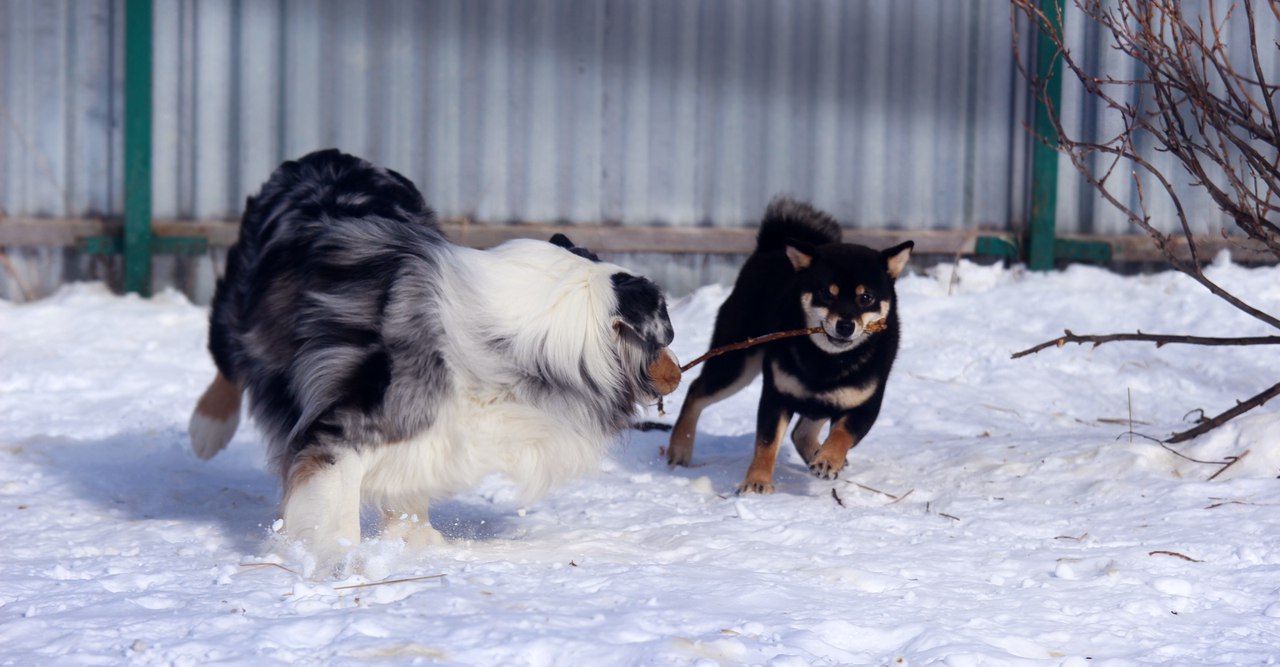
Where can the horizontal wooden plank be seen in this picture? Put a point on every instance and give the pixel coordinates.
(54, 232)
(600, 238)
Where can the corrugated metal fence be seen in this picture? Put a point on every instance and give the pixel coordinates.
(904, 114)
(581, 111)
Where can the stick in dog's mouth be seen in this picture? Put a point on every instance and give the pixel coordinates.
(750, 342)
(873, 327)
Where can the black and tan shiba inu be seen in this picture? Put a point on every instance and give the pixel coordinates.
(799, 276)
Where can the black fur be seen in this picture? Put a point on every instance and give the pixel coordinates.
(332, 313)
(767, 298)
(301, 290)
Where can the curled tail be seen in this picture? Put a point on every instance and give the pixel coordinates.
(787, 220)
(215, 418)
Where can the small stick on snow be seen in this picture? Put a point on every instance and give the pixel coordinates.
(1175, 555)
(382, 583)
(837, 497)
(901, 497)
(389, 581)
(1233, 460)
(1159, 339)
(867, 488)
(260, 566)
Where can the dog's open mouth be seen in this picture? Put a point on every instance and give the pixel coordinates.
(839, 341)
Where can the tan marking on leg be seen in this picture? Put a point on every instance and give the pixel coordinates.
(220, 400)
(680, 447)
(760, 472)
(805, 437)
(305, 466)
(215, 418)
(831, 456)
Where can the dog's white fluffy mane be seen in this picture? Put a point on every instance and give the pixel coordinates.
(554, 309)
(518, 317)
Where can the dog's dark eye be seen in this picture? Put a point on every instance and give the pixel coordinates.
(865, 299)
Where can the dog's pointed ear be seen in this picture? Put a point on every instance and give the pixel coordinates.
(800, 254)
(896, 258)
(563, 241)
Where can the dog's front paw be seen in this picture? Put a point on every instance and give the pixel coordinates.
(679, 454)
(760, 486)
(824, 467)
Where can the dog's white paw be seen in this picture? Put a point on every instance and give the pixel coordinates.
(417, 533)
(209, 435)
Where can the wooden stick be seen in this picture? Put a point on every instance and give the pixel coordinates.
(759, 340)
(259, 566)
(1175, 555)
(1159, 339)
(390, 581)
(1234, 460)
(750, 342)
(1240, 408)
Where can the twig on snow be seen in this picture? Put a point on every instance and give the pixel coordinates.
(1159, 339)
(261, 566)
(1214, 422)
(1175, 555)
(901, 497)
(382, 583)
(1233, 460)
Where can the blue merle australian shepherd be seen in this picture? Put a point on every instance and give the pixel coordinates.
(388, 367)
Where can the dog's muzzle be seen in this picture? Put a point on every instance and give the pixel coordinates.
(665, 372)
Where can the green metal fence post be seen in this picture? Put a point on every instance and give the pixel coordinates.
(1044, 158)
(137, 146)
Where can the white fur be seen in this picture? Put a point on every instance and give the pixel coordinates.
(210, 436)
(845, 398)
(555, 309)
(323, 511)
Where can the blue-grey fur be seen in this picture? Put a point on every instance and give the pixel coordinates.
(328, 314)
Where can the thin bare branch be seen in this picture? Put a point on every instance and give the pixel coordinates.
(1159, 339)
(1218, 420)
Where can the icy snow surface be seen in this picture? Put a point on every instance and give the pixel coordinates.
(997, 514)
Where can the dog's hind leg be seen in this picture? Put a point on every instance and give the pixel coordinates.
(215, 418)
(805, 437)
(721, 378)
(321, 507)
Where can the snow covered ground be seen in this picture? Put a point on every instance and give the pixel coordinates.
(997, 514)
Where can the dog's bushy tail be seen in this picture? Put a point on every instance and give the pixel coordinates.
(787, 220)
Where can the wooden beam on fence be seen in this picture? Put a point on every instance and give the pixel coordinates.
(69, 232)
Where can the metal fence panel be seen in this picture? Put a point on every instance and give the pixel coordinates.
(636, 112)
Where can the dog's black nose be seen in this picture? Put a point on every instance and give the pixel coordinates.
(844, 328)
